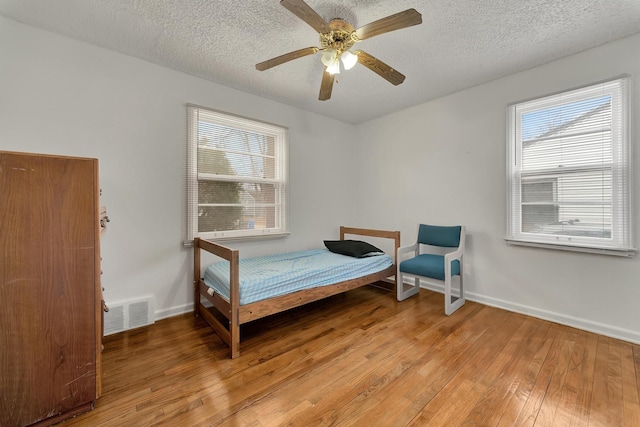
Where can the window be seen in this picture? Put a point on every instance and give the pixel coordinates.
(236, 176)
(569, 170)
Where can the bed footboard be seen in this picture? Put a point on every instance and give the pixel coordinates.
(236, 315)
(230, 333)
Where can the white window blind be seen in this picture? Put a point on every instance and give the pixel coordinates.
(569, 170)
(236, 176)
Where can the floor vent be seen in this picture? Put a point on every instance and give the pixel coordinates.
(128, 315)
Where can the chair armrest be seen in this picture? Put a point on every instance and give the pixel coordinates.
(457, 254)
(405, 250)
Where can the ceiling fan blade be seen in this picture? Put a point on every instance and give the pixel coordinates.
(326, 86)
(400, 20)
(308, 15)
(265, 65)
(380, 68)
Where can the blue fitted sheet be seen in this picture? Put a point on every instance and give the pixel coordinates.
(274, 275)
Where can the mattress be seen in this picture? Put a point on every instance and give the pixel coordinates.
(274, 275)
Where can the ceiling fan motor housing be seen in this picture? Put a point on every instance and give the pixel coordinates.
(341, 37)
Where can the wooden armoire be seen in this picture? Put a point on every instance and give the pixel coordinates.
(50, 298)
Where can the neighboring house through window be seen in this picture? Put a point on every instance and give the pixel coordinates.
(236, 176)
(569, 170)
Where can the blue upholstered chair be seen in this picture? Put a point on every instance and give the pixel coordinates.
(436, 258)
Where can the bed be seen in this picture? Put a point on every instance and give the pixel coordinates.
(225, 306)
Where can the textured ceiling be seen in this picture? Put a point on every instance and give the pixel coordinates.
(460, 43)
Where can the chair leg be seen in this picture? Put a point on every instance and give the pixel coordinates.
(449, 305)
(410, 291)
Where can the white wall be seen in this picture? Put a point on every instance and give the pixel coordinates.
(443, 162)
(60, 96)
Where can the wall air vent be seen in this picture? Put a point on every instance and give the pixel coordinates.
(129, 315)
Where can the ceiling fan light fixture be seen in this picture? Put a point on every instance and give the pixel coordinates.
(329, 57)
(348, 59)
(334, 68)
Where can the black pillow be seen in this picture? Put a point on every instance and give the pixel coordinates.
(354, 248)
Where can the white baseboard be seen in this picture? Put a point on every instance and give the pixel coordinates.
(563, 319)
(174, 311)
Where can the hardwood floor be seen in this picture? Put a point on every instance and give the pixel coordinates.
(364, 359)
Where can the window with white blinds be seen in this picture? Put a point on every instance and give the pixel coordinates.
(569, 170)
(236, 176)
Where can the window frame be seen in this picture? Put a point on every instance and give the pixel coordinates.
(620, 241)
(280, 181)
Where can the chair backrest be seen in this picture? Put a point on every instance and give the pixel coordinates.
(436, 235)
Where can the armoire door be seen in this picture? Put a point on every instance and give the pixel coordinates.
(49, 267)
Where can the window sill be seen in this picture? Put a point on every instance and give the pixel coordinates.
(626, 252)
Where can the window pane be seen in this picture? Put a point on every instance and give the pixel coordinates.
(571, 204)
(246, 154)
(214, 161)
(539, 204)
(259, 193)
(571, 151)
(255, 197)
(542, 191)
(219, 218)
(249, 211)
(260, 217)
(226, 218)
(252, 165)
(566, 118)
(219, 192)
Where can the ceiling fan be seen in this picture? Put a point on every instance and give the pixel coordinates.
(337, 37)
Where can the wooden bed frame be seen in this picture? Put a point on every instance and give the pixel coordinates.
(237, 314)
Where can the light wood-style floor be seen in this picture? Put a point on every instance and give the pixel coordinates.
(364, 359)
